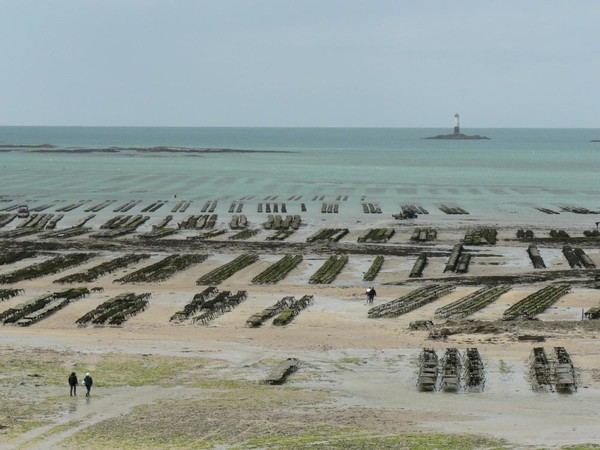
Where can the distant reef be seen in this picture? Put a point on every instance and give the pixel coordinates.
(48, 148)
(458, 137)
(27, 146)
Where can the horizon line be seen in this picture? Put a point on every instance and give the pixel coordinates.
(296, 127)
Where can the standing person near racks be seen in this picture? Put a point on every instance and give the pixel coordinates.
(371, 294)
(88, 382)
(73, 384)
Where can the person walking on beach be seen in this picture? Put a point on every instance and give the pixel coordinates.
(371, 294)
(73, 384)
(87, 382)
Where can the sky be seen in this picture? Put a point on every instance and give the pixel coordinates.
(284, 63)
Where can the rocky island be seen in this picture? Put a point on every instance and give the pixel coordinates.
(457, 135)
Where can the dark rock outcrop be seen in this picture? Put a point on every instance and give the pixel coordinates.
(458, 137)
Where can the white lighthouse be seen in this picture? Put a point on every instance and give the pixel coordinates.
(456, 124)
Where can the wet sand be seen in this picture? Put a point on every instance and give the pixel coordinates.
(354, 368)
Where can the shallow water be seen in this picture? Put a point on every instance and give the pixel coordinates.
(511, 173)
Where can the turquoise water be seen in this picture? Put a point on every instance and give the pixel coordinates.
(514, 171)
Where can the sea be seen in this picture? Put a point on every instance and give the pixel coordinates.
(513, 172)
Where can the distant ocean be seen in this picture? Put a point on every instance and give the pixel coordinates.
(514, 171)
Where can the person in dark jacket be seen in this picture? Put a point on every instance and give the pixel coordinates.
(73, 384)
(88, 382)
(371, 294)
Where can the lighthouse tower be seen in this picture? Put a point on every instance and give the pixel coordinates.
(456, 124)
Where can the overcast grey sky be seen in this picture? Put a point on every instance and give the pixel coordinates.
(300, 63)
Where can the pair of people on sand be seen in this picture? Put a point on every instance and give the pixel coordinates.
(371, 294)
(87, 382)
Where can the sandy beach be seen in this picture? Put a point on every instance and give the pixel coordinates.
(201, 386)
